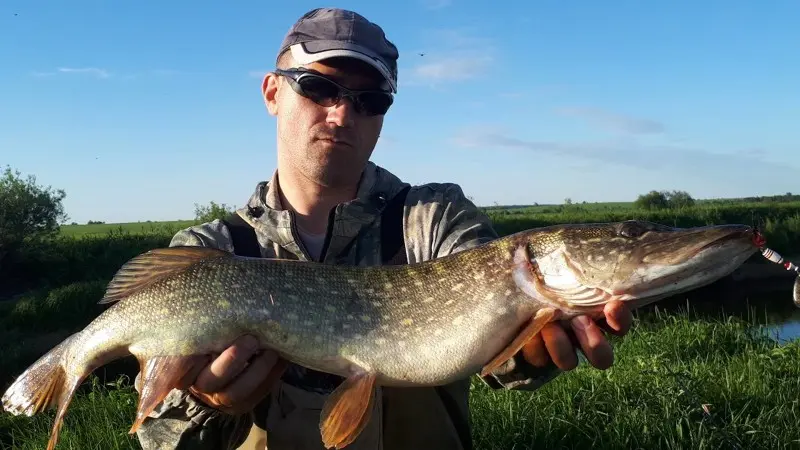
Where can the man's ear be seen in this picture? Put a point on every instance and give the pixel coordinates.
(269, 90)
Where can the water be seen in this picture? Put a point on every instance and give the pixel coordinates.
(788, 331)
(766, 301)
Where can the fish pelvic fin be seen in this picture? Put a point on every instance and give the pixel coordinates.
(159, 375)
(154, 265)
(542, 318)
(45, 384)
(347, 410)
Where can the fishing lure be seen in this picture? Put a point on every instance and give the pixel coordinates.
(775, 257)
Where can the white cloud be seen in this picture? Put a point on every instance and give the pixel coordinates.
(452, 68)
(629, 152)
(614, 121)
(93, 71)
(101, 73)
(458, 55)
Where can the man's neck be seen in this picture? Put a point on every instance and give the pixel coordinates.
(310, 201)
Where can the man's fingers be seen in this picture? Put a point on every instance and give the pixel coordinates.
(535, 351)
(189, 378)
(593, 344)
(619, 317)
(559, 346)
(227, 365)
(250, 386)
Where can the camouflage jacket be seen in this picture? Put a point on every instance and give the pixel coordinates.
(438, 220)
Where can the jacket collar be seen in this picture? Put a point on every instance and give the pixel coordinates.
(273, 223)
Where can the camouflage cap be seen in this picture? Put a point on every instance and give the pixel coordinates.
(332, 32)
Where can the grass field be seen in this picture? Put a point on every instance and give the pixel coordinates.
(679, 381)
(129, 227)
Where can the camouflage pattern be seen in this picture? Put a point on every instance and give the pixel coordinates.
(438, 220)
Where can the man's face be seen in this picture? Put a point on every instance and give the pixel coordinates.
(329, 145)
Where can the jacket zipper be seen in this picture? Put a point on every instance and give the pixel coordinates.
(325, 244)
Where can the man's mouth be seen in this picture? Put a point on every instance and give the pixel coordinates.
(336, 141)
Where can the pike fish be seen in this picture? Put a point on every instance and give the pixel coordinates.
(423, 324)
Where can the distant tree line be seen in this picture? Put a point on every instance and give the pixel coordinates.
(787, 197)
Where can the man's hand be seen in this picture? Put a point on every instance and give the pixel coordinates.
(553, 342)
(237, 379)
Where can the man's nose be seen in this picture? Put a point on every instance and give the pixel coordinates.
(342, 113)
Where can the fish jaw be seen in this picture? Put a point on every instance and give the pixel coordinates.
(579, 275)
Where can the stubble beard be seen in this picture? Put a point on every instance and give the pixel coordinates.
(323, 165)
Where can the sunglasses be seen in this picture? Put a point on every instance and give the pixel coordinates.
(325, 92)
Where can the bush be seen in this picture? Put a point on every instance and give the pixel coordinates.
(28, 212)
(654, 200)
(212, 211)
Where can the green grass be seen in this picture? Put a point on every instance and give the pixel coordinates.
(666, 369)
(654, 394)
(130, 227)
(98, 418)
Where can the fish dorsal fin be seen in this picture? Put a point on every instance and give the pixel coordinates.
(147, 268)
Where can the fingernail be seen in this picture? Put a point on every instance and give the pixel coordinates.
(581, 322)
(250, 343)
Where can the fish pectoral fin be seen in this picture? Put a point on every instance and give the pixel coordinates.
(149, 267)
(347, 410)
(159, 375)
(542, 318)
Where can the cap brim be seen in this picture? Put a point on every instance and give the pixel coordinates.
(304, 53)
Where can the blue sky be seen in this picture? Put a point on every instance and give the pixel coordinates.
(141, 109)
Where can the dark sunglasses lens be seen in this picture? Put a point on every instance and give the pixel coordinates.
(375, 102)
(319, 90)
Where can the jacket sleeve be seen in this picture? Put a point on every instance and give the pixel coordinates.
(181, 421)
(441, 220)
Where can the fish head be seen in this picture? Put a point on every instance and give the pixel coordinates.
(640, 261)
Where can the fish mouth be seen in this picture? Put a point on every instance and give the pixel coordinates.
(740, 234)
(696, 264)
(684, 245)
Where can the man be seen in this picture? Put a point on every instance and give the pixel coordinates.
(325, 203)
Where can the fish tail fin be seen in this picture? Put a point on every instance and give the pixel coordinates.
(45, 384)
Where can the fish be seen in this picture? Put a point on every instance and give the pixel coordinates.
(422, 324)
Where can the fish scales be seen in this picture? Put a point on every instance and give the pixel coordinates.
(422, 324)
(421, 329)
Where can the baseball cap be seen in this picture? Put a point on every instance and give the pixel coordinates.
(332, 32)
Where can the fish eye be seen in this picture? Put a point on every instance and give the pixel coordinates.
(632, 229)
(636, 228)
